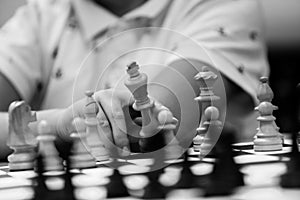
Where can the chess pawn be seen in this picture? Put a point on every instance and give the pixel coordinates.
(51, 159)
(94, 139)
(214, 127)
(206, 80)
(80, 157)
(291, 178)
(267, 138)
(20, 138)
(169, 124)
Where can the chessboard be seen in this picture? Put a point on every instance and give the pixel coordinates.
(266, 168)
(130, 178)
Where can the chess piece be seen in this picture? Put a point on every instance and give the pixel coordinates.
(20, 138)
(214, 128)
(197, 141)
(151, 126)
(68, 191)
(40, 188)
(52, 161)
(291, 179)
(137, 84)
(80, 158)
(206, 98)
(154, 190)
(116, 187)
(226, 175)
(267, 137)
(187, 178)
(94, 139)
(168, 124)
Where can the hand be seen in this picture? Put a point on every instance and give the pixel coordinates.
(113, 116)
(117, 122)
(109, 113)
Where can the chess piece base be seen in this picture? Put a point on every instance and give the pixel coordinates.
(100, 154)
(81, 161)
(262, 148)
(20, 166)
(267, 144)
(22, 158)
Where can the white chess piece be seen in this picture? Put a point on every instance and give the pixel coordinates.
(51, 159)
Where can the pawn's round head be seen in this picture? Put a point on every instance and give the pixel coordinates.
(212, 113)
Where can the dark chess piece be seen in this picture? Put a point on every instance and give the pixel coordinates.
(116, 187)
(291, 179)
(187, 178)
(154, 190)
(153, 143)
(40, 189)
(68, 191)
(226, 175)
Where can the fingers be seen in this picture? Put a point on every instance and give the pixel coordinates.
(104, 129)
(78, 125)
(112, 109)
(164, 116)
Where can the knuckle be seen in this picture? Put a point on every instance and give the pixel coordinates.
(103, 123)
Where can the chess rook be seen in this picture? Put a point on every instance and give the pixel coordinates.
(51, 159)
(206, 98)
(94, 139)
(267, 137)
(20, 138)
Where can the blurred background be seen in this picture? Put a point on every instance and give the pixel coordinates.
(282, 25)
